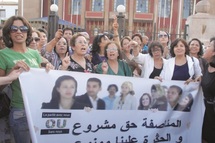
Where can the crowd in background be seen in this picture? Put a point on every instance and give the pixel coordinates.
(110, 54)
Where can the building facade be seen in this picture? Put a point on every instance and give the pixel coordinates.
(8, 8)
(146, 17)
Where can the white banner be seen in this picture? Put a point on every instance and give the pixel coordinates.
(162, 122)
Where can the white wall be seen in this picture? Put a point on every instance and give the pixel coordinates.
(9, 10)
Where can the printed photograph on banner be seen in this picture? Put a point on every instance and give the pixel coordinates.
(63, 106)
(160, 98)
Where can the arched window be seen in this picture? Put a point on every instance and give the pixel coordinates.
(164, 8)
(98, 5)
(119, 2)
(76, 7)
(187, 8)
(142, 6)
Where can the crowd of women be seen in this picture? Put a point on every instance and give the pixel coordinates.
(28, 48)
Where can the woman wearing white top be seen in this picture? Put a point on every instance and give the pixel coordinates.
(127, 100)
(181, 66)
(152, 63)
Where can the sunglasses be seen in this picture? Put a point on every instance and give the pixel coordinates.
(23, 29)
(36, 39)
(164, 35)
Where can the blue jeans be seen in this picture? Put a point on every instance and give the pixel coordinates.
(19, 125)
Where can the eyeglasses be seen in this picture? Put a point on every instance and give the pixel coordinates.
(111, 49)
(162, 35)
(82, 42)
(156, 50)
(36, 39)
(23, 29)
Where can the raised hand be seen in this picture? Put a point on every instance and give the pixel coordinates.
(115, 23)
(104, 67)
(65, 62)
(58, 34)
(135, 47)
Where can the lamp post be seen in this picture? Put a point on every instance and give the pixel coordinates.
(121, 20)
(52, 22)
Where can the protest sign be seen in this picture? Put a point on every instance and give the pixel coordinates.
(159, 122)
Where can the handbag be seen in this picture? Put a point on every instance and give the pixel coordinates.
(4, 104)
(5, 101)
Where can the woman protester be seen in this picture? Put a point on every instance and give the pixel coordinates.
(164, 39)
(196, 50)
(99, 43)
(128, 57)
(17, 35)
(55, 51)
(152, 63)
(208, 84)
(181, 66)
(63, 94)
(113, 65)
(77, 61)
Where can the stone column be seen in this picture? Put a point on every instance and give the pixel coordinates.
(212, 9)
(131, 17)
(83, 9)
(201, 24)
(106, 14)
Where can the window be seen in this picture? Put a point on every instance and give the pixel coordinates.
(164, 8)
(54, 2)
(187, 8)
(119, 2)
(142, 6)
(98, 5)
(2, 13)
(16, 11)
(76, 7)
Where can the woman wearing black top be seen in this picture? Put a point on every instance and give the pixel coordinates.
(208, 84)
(63, 94)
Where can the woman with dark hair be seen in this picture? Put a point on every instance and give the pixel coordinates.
(196, 50)
(138, 38)
(145, 102)
(152, 63)
(17, 35)
(113, 65)
(98, 48)
(181, 66)
(185, 104)
(77, 61)
(63, 94)
(164, 39)
(128, 57)
(208, 84)
(59, 52)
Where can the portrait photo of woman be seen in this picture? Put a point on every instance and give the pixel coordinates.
(63, 94)
(185, 104)
(127, 100)
(145, 102)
